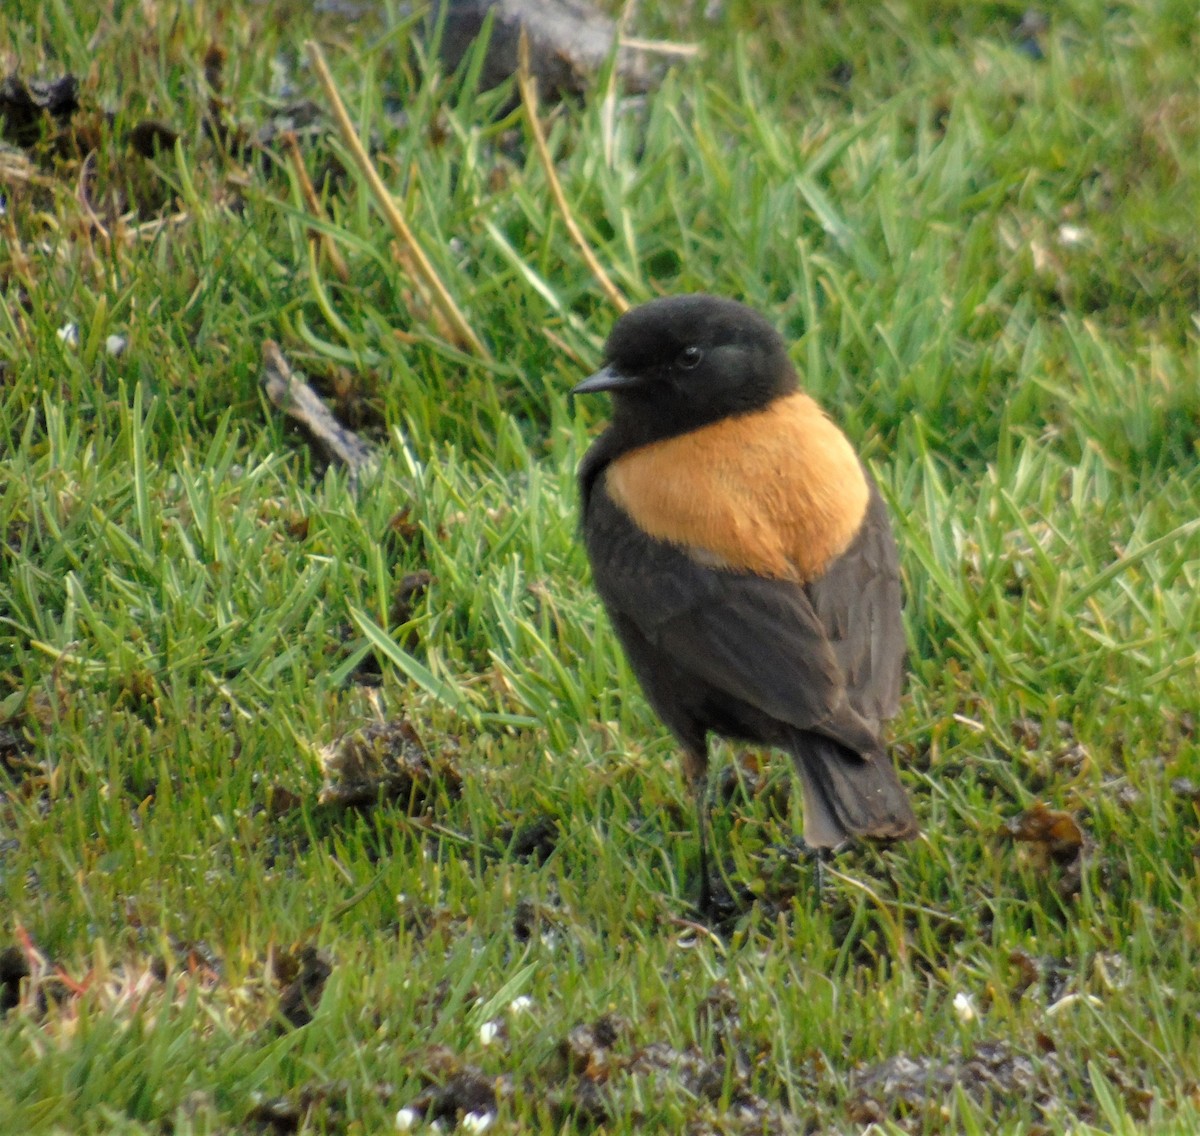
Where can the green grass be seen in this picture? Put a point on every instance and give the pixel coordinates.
(988, 266)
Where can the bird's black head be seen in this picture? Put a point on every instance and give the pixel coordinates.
(681, 362)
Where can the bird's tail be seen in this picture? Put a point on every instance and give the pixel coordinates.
(846, 795)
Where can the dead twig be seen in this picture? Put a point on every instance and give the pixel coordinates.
(291, 394)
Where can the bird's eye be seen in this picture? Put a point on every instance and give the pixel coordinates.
(690, 357)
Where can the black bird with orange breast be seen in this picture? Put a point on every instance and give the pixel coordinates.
(746, 560)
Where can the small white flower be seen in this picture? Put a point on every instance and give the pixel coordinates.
(69, 334)
(116, 344)
(521, 1004)
(1071, 235)
(478, 1121)
(964, 1007)
(406, 1119)
(488, 1032)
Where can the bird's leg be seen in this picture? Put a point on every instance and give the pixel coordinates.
(821, 856)
(695, 769)
(700, 789)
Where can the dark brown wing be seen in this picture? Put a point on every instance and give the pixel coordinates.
(858, 602)
(758, 641)
(813, 669)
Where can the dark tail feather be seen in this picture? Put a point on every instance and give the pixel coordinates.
(846, 795)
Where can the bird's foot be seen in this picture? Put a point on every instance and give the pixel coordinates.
(722, 901)
(798, 849)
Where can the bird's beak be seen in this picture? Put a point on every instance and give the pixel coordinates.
(606, 379)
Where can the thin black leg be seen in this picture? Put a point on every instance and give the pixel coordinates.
(700, 789)
(821, 856)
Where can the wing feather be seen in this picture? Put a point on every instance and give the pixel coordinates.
(804, 656)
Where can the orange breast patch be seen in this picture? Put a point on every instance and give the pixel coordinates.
(778, 492)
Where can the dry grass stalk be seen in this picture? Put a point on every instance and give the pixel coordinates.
(528, 89)
(313, 204)
(425, 273)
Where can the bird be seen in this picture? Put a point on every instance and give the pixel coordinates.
(746, 560)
